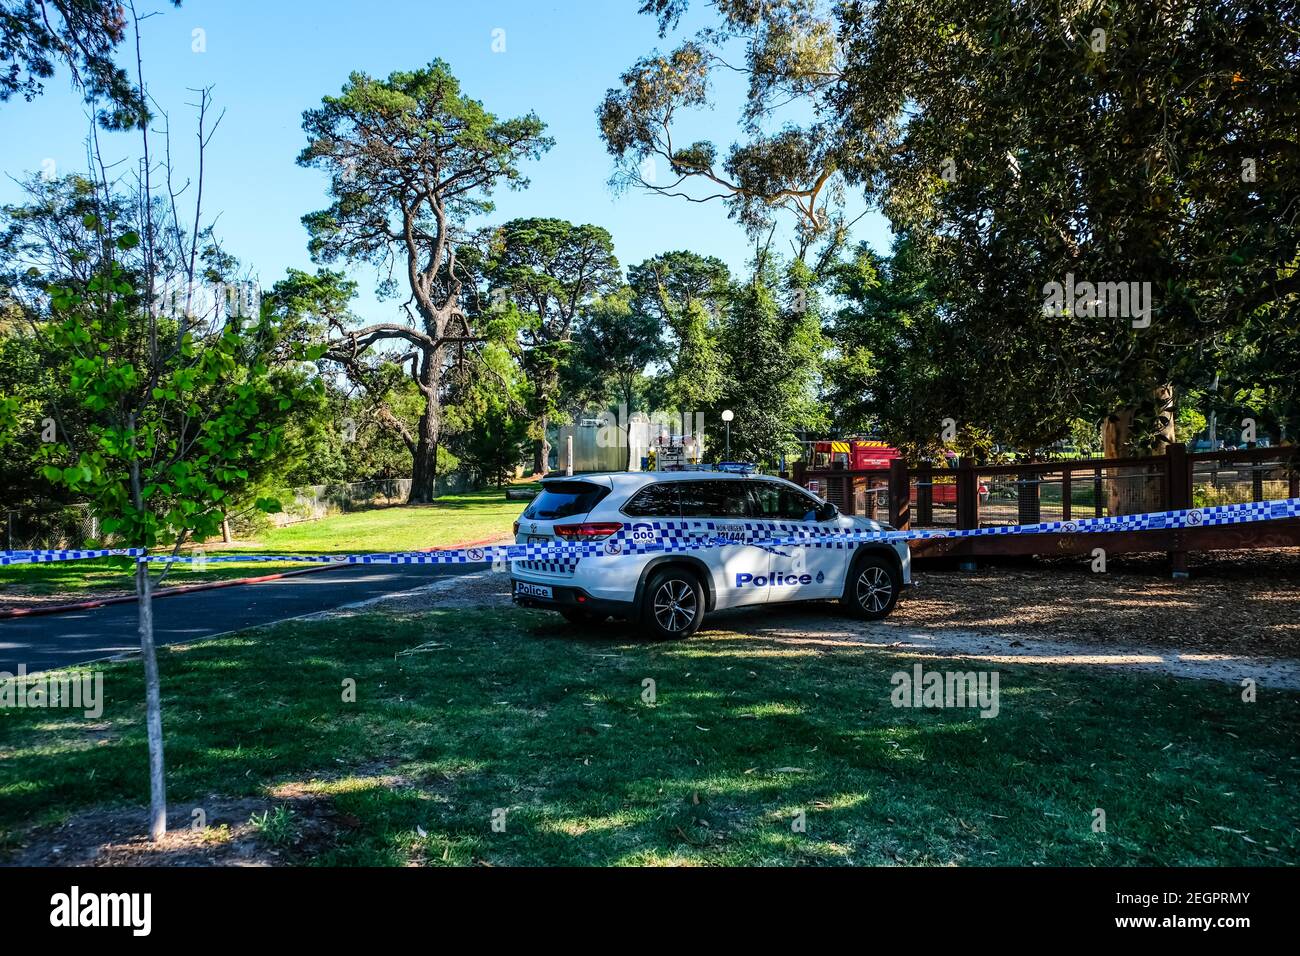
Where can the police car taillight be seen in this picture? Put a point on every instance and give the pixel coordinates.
(588, 531)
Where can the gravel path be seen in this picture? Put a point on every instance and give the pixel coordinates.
(819, 630)
(1241, 603)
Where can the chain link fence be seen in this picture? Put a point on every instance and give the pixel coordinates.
(1226, 482)
(71, 526)
(312, 502)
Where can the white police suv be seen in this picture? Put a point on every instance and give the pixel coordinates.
(668, 594)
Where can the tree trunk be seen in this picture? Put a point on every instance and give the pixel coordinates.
(424, 474)
(153, 704)
(542, 452)
(1114, 441)
(424, 469)
(626, 410)
(1126, 492)
(226, 536)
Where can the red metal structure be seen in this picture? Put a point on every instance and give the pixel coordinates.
(870, 455)
(1029, 493)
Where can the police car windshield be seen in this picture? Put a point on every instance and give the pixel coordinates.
(565, 499)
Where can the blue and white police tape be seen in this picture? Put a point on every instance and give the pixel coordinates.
(680, 535)
(41, 556)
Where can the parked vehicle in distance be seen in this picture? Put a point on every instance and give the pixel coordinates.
(668, 594)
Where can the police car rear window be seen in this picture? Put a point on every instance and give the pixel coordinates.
(565, 499)
(715, 499)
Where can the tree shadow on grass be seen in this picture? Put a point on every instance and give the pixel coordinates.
(501, 719)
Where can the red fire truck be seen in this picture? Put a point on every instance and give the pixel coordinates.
(854, 454)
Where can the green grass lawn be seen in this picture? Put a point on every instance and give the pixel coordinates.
(459, 714)
(451, 520)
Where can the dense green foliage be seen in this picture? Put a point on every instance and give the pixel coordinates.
(1137, 142)
(1011, 146)
(772, 345)
(618, 342)
(165, 414)
(174, 436)
(686, 294)
(545, 271)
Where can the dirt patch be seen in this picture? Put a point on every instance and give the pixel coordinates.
(118, 836)
(16, 598)
(1236, 602)
(288, 826)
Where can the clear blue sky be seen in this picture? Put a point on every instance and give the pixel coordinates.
(269, 61)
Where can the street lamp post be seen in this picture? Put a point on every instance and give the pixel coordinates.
(727, 416)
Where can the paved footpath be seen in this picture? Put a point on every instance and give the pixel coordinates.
(43, 642)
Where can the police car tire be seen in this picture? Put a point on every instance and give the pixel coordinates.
(864, 593)
(665, 588)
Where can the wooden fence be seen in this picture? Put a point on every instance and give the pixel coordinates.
(978, 496)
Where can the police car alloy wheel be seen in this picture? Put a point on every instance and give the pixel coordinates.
(872, 588)
(673, 606)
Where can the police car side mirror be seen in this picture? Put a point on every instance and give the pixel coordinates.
(827, 511)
